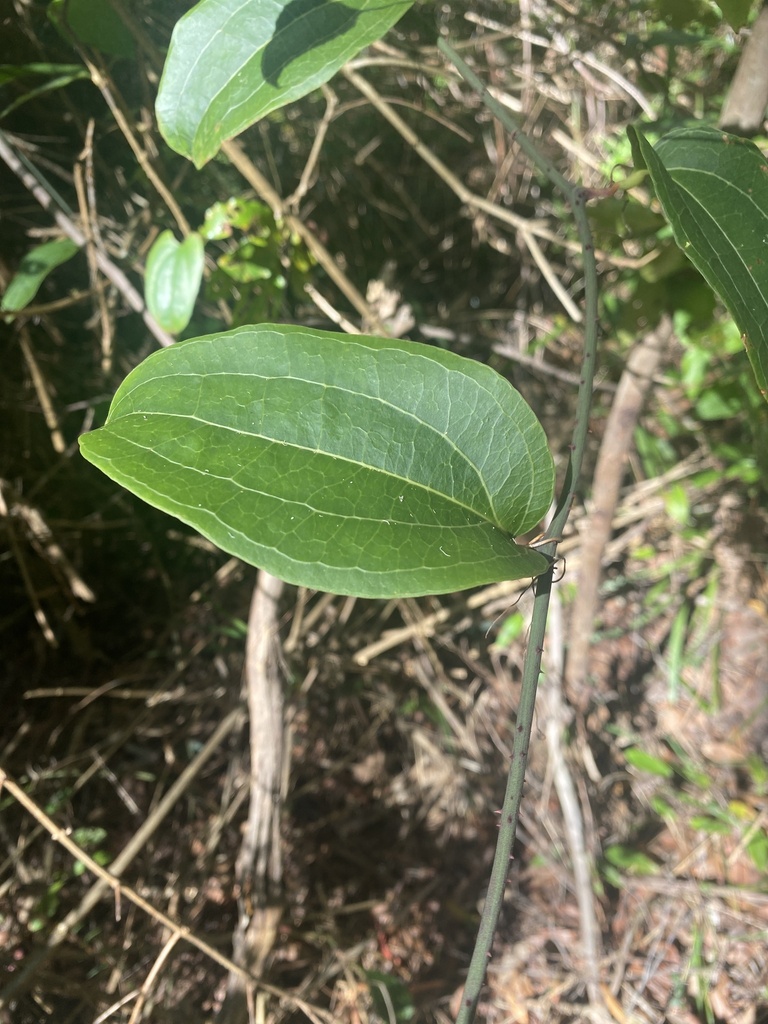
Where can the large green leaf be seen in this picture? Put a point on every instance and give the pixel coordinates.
(231, 62)
(360, 466)
(713, 188)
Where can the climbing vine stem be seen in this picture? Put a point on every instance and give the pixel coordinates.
(576, 197)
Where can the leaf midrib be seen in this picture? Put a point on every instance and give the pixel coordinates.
(341, 390)
(287, 501)
(710, 220)
(232, 530)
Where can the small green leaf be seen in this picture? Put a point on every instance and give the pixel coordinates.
(758, 771)
(714, 826)
(89, 836)
(363, 466)
(172, 279)
(757, 847)
(648, 763)
(33, 270)
(390, 997)
(662, 807)
(243, 264)
(632, 861)
(230, 63)
(722, 402)
(512, 628)
(677, 505)
(713, 188)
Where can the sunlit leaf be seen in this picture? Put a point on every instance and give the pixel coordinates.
(361, 465)
(230, 63)
(713, 188)
(633, 862)
(757, 847)
(172, 279)
(714, 826)
(645, 762)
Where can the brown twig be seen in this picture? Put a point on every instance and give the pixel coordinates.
(609, 472)
(310, 167)
(70, 229)
(18, 553)
(41, 390)
(259, 183)
(21, 981)
(744, 108)
(152, 977)
(554, 713)
(86, 199)
(258, 869)
(101, 79)
(110, 880)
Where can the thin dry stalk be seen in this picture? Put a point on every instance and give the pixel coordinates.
(470, 199)
(236, 154)
(86, 199)
(596, 531)
(109, 880)
(42, 391)
(554, 713)
(26, 977)
(34, 183)
(310, 168)
(259, 869)
(151, 979)
(103, 82)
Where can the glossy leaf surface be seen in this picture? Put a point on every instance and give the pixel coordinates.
(172, 279)
(355, 465)
(231, 62)
(713, 188)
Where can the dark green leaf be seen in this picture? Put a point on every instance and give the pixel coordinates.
(12, 72)
(94, 22)
(361, 466)
(713, 188)
(736, 12)
(50, 86)
(230, 63)
(33, 270)
(391, 999)
(172, 279)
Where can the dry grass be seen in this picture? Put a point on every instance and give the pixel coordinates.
(400, 714)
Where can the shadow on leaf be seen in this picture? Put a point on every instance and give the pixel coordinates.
(304, 25)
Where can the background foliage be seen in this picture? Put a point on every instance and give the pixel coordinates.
(123, 634)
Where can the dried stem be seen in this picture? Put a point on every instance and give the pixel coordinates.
(576, 199)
